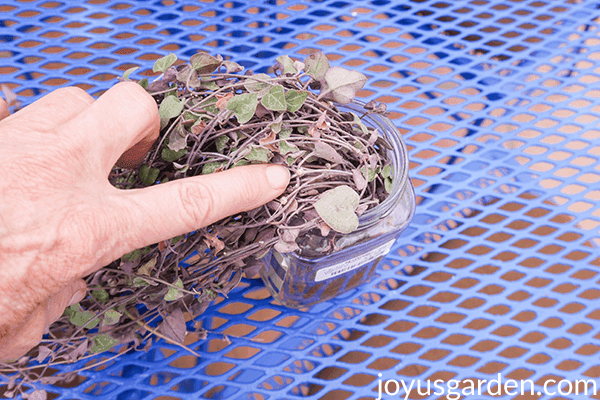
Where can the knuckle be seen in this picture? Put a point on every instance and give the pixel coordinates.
(197, 204)
(140, 97)
(75, 93)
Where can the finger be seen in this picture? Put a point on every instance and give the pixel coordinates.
(174, 208)
(54, 109)
(3, 109)
(70, 294)
(24, 336)
(122, 117)
(134, 156)
(30, 332)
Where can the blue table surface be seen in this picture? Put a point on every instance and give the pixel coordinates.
(498, 102)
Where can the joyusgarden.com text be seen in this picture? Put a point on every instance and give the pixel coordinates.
(455, 389)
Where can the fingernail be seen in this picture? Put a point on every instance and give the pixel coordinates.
(278, 177)
(77, 297)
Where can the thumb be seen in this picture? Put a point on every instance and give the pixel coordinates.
(23, 337)
(70, 294)
(160, 212)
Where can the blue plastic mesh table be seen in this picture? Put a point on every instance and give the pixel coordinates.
(499, 105)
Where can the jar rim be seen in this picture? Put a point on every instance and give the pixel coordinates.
(400, 163)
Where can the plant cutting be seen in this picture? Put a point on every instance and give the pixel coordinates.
(214, 116)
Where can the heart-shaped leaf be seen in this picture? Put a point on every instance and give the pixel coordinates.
(359, 179)
(286, 65)
(342, 84)
(205, 63)
(148, 175)
(232, 67)
(325, 151)
(174, 293)
(295, 99)
(243, 106)
(103, 342)
(316, 65)
(189, 76)
(257, 83)
(169, 155)
(173, 326)
(259, 154)
(211, 167)
(337, 208)
(274, 100)
(111, 317)
(163, 63)
(178, 139)
(170, 107)
(221, 142)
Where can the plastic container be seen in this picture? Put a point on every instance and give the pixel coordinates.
(297, 280)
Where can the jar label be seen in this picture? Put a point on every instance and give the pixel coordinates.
(354, 263)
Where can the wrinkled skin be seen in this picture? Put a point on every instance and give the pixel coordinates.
(60, 219)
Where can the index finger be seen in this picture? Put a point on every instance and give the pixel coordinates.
(122, 117)
(3, 109)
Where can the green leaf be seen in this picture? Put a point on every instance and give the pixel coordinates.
(325, 151)
(211, 167)
(144, 83)
(243, 106)
(170, 107)
(148, 175)
(101, 295)
(177, 139)
(295, 99)
(369, 173)
(206, 83)
(257, 83)
(286, 65)
(274, 100)
(174, 293)
(285, 132)
(232, 67)
(337, 208)
(170, 155)
(387, 184)
(210, 105)
(285, 147)
(189, 76)
(103, 342)
(259, 154)
(134, 255)
(205, 63)
(221, 142)
(360, 124)
(163, 63)
(386, 172)
(342, 84)
(188, 116)
(111, 317)
(129, 72)
(316, 65)
(141, 282)
(83, 318)
(241, 163)
(147, 267)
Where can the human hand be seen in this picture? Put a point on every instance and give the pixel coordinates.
(60, 219)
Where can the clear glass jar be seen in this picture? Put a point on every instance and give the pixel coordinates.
(298, 280)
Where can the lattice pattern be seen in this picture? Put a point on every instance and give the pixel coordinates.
(498, 102)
